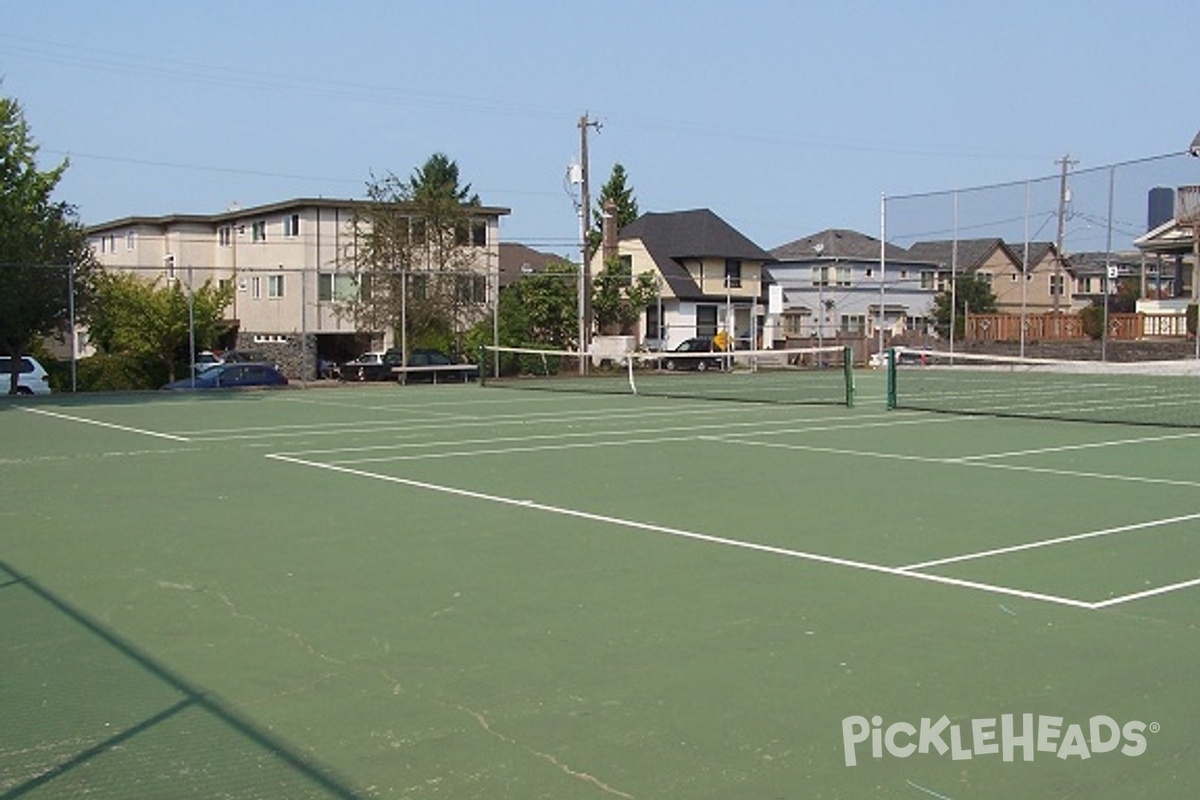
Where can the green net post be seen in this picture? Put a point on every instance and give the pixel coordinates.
(848, 368)
(891, 378)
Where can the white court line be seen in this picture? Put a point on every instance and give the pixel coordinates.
(662, 437)
(1088, 446)
(408, 425)
(955, 461)
(662, 529)
(1126, 598)
(1049, 542)
(125, 428)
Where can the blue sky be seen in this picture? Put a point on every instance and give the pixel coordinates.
(785, 118)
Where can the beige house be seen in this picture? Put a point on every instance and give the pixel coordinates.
(1002, 265)
(290, 264)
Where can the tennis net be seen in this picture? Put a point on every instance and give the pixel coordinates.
(1139, 393)
(799, 375)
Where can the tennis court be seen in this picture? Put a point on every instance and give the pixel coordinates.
(465, 592)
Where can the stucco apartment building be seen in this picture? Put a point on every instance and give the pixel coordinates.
(291, 266)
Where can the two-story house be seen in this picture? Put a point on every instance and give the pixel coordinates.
(711, 278)
(833, 286)
(291, 266)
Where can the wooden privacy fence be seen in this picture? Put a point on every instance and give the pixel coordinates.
(1060, 327)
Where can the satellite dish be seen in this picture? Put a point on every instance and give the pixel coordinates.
(819, 248)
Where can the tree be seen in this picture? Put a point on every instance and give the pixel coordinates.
(416, 255)
(970, 292)
(44, 255)
(618, 298)
(147, 319)
(622, 197)
(539, 311)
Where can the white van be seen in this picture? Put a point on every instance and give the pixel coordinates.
(31, 379)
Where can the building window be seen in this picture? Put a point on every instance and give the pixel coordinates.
(225, 236)
(470, 288)
(291, 225)
(853, 323)
(843, 276)
(1056, 285)
(129, 240)
(256, 287)
(275, 286)
(927, 279)
(654, 327)
(258, 231)
(335, 287)
(733, 273)
(706, 320)
(820, 276)
(794, 324)
(987, 277)
(479, 234)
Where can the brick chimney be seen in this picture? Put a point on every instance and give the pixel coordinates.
(608, 245)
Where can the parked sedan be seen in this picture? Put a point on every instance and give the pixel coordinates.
(690, 355)
(232, 376)
(374, 366)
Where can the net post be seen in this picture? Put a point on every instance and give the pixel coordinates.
(848, 371)
(891, 378)
(482, 365)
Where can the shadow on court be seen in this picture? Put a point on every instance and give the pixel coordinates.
(87, 713)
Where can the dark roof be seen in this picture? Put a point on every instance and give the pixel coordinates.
(516, 260)
(235, 213)
(673, 236)
(972, 253)
(837, 243)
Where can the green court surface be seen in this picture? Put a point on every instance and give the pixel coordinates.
(463, 592)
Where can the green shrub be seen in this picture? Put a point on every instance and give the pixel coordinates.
(106, 373)
(1092, 321)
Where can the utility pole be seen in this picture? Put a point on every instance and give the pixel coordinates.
(1059, 288)
(585, 272)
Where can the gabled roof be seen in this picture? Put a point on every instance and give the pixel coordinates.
(972, 253)
(674, 236)
(837, 243)
(516, 260)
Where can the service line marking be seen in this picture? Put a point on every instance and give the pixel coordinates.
(693, 535)
(1077, 537)
(112, 425)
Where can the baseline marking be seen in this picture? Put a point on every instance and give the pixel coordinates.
(685, 534)
(114, 426)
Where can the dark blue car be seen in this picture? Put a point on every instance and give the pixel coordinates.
(232, 376)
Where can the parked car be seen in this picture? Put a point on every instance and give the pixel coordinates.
(699, 344)
(434, 366)
(430, 366)
(31, 376)
(880, 359)
(207, 359)
(232, 376)
(373, 366)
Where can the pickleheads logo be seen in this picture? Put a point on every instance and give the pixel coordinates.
(1008, 736)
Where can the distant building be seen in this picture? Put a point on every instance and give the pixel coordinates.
(289, 264)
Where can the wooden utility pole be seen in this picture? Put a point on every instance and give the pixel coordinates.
(1065, 162)
(585, 271)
